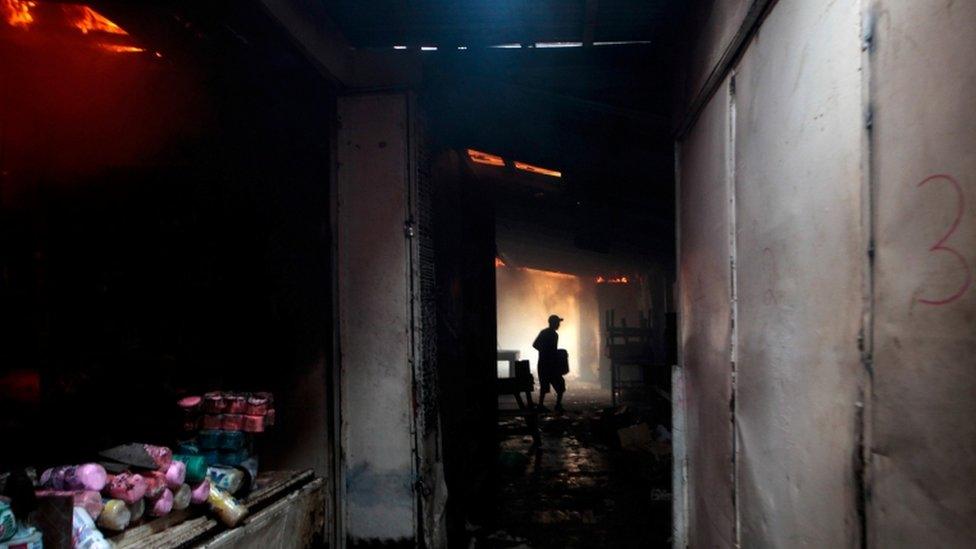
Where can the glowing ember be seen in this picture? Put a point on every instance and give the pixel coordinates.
(17, 12)
(499, 262)
(485, 158)
(118, 48)
(88, 20)
(612, 280)
(536, 169)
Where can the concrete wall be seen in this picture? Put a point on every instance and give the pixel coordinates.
(798, 276)
(849, 368)
(375, 318)
(705, 299)
(715, 24)
(923, 460)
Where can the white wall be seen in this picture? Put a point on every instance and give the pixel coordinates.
(705, 299)
(850, 360)
(923, 411)
(797, 184)
(375, 318)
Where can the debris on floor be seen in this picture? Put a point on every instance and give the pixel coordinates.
(586, 485)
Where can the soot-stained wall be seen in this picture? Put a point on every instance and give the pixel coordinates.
(923, 437)
(850, 298)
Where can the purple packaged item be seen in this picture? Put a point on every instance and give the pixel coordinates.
(175, 474)
(200, 492)
(163, 504)
(89, 476)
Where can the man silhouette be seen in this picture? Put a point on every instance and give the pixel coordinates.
(550, 375)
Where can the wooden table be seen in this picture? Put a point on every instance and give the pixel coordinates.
(286, 510)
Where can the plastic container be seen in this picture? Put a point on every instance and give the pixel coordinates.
(209, 439)
(231, 440)
(8, 523)
(228, 479)
(213, 403)
(257, 406)
(232, 422)
(196, 467)
(232, 458)
(253, 424)
(212, 421)
(234, 404)
(27, 537)
(84, 534)
(227, 509)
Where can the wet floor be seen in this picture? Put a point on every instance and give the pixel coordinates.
(578, 489)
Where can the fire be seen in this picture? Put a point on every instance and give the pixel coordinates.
(612, 280)
(118, 48)
(17, 12)
(499, 262)
(88, 20)
(536, 169)
(485, 158)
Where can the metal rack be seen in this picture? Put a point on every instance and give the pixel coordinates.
(631, 354)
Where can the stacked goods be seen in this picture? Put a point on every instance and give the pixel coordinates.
(222, 426)
(137, 482)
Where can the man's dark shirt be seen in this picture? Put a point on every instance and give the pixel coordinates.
(546, 343)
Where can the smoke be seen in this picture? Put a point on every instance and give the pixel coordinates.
(526, 298)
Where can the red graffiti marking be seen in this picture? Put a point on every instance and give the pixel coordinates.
(941, 246)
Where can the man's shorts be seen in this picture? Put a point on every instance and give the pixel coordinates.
(555, 381)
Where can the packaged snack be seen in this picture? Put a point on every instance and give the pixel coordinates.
(129, 487)
(84, 534)
(175, 474)
(89, 476)
(138, 509)
(201, 492)
(181, 497)
(162, 505)
(115, 515)
(228, 479)
(162, 455)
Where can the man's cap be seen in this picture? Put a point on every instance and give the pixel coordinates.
(555, 317)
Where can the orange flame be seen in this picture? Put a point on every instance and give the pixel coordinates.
(612, 280)
(119, 48)
(485, 158)
(536, 169)
(17, 12)
(88, 20)
(499, 262)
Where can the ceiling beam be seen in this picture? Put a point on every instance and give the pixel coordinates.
(589, 21)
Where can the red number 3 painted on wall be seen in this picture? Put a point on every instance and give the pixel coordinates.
(941, 246)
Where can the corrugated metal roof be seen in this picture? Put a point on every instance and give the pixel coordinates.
(452, 23)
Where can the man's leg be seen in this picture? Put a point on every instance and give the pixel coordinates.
(560, 387)
(543, 389)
